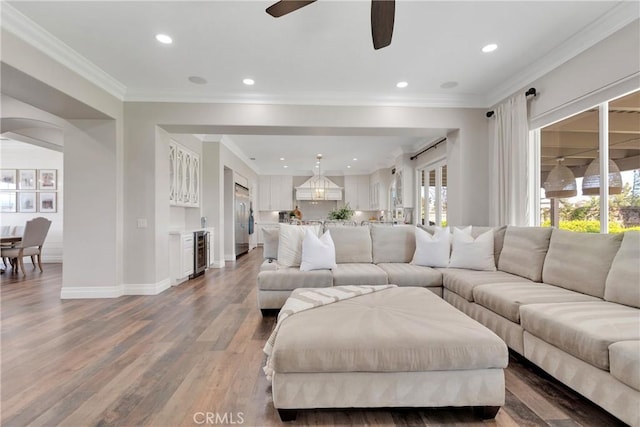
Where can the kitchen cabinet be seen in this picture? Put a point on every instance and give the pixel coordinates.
(357, 192)
(378, 196)
(275, 193)
(184, 176)
(180, 256)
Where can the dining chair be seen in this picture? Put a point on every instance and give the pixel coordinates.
(35, 232)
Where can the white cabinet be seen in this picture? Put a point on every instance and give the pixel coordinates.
(180, 256)
(173, 162)
(275, 193)
(184, 176)
(374, 197)
(357, 192)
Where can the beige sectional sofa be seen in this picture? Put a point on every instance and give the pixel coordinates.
(568, 302)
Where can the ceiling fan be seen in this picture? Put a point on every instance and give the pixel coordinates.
(382, 17)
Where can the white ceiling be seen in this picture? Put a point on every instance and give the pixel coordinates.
(322, 54)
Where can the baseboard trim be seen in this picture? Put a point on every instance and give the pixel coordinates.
(94, 292)
(147, 288)
(91, 292)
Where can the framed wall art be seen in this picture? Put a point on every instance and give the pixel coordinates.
(27, 179)
(7, 179)
(47, 202)
(47, 179)
(27, 201)
(7, 202)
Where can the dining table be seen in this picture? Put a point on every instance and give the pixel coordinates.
(9, 241)
(6, 240)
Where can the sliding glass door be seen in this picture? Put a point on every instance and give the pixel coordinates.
(433, 194)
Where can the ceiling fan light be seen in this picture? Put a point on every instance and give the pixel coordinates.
(591, 180)
(560, 183)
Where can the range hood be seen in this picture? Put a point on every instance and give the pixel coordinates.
(319, 188)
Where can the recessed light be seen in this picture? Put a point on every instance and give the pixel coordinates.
(249, 82)
(317, 166)
(355, 159)
(348, 166)
(449, 85)
(285, 166)
(402, 85)
(490, 48)
(198, 80)
(282, 158)
(164, 39)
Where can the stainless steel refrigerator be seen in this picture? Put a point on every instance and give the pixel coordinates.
(242, 202)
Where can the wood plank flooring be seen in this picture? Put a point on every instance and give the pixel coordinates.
(193, 356)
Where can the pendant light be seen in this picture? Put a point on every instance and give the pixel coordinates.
(591, 180)
(560, 182)
(318, 183)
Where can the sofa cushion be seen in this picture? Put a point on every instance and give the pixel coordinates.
(290, 243)
(583, 329)
(462, 281)
(393, 243)
(624, 359)
(359, 274)
(505, 299)
(623, 282)
(580, 261)
(269, 265)
(289, 278)
(473, 253)
(353, 244)
(270, 242)
(524, 250)
(498, 235)
(402, 274)
(318, 253)
(432, 250)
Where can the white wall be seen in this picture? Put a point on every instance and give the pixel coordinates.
(608, 69)
(93, 162)
(18, 155)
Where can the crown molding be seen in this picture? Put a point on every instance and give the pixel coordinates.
(614, 20)
(27, 30)
(322, 99)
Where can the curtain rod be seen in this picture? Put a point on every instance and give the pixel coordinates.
(532, 91)
(415, 156)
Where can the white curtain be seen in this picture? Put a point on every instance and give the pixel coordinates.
(509, 164)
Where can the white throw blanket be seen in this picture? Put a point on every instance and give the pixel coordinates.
(312, 298)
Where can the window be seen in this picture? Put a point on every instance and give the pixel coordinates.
(433, 194)
(572, 148)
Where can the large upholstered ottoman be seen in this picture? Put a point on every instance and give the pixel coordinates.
(399, 347)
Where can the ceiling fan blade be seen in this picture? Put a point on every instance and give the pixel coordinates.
(382, 17)
(286, 6)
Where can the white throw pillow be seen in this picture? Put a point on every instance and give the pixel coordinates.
(290, 239)
(474, 254)
(318, 253)
(432, 250)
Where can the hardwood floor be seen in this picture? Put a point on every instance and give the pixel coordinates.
(193, 356)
